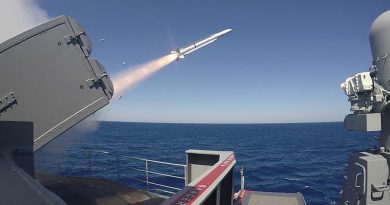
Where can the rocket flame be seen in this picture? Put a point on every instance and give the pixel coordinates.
(133, 75)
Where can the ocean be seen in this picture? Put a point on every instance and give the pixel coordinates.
(304, 157)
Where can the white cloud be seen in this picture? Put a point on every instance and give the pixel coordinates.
(17, 16)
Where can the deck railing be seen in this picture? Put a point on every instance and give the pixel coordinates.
(148, 172)
(119, 167)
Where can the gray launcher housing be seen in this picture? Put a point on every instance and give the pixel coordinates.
(48, 79)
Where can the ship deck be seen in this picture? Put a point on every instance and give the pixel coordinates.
(90, 191)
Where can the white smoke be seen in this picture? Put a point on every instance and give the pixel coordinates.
(17, 16)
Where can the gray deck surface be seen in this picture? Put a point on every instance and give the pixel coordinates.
(16, 187)
(87, 191)
(272, 198)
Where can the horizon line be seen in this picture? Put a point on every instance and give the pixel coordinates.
(218, 123)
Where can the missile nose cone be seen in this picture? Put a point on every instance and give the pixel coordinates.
(227, 31)
(224, 32)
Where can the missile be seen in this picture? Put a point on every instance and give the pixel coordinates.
(181, 52)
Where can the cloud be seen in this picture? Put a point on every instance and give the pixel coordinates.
(17, 16)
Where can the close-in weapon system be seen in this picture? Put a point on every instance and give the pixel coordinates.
(367, 179)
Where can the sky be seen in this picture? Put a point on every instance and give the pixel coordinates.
(283, 61)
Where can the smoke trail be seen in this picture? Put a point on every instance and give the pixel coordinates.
(17, 16)
(133, 75)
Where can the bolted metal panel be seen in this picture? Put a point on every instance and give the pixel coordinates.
(47, 68)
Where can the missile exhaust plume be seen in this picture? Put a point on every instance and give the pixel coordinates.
(133, 75)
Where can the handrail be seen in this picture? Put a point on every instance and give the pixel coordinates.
(166, 175)
(154, 161)
(118, 164)
(165, 186)
(131, 157)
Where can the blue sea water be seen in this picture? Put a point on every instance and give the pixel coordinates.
(308, 158)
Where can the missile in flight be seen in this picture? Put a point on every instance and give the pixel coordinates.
(181, 52)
